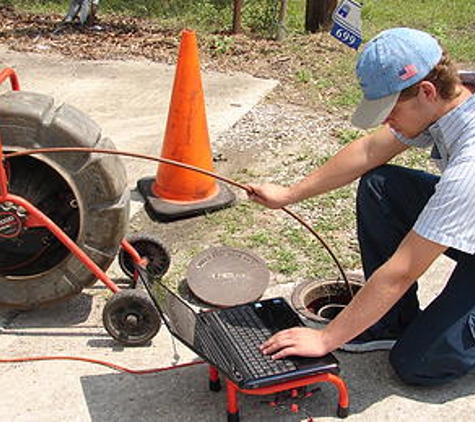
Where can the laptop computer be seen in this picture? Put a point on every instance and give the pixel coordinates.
(229, 338)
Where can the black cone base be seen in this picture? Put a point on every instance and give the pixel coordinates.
(162, 210)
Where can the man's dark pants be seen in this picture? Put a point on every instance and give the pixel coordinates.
(437, 344)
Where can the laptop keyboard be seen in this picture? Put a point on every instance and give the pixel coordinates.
(249, 333)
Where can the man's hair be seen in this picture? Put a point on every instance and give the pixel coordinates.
(444, 76)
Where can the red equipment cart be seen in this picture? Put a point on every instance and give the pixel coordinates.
(45, 213)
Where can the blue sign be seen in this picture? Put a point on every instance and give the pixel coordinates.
(347, 23)
(346, 36)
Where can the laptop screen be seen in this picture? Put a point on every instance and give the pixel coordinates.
(178, 316)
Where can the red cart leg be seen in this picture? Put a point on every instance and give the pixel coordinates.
(214, 381)
(293, 385)
(233, 410)
(343, 397)
(10, 73)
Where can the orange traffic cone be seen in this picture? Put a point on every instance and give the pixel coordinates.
(176, 192)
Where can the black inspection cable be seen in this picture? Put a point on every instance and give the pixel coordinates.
(164, 161)
(188, 167)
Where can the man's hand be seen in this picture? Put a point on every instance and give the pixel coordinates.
(298, 341)
(270, 195)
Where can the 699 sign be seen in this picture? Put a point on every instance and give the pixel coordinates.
(345, 36)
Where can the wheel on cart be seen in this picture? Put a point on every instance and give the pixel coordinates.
(147, 246)
(131, 318)
(85, 194)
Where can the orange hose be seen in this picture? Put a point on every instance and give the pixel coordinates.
(98, 362)
(166, 161)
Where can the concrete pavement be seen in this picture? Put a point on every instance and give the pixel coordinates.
(130, 101)
(79, 391)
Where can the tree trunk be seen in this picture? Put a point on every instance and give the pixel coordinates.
(281, 32)
(318, 14)
(237, 15)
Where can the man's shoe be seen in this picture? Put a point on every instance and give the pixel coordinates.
(366, 342)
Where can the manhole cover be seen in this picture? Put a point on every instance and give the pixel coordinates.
(225, 276)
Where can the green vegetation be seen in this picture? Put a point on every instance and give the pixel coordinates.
(345, 136)
(304, 75)
(208, 16)
(450, 20)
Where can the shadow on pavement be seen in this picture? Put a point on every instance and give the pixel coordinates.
(183, 395)
(73, 311)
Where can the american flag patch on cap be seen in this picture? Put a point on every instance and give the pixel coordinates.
(408, 72)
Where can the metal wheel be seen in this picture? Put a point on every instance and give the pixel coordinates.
(131, 318)
(150, 247)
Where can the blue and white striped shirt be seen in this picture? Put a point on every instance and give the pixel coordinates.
(449, 216)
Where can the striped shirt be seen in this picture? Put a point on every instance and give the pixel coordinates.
(449, 216)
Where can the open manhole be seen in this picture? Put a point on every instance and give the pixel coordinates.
(321, 301)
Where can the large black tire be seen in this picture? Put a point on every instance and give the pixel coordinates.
(84, 193)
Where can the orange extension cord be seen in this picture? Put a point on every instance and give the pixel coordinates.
(189, 167)
(99, 362)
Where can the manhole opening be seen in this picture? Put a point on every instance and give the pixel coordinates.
(329, 306)
(322, 301)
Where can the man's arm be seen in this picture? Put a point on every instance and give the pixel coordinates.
(347, 165)
(383, 289)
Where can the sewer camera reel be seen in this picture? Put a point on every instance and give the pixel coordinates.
(64, 217)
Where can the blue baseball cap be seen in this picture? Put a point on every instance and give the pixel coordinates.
(391, 62)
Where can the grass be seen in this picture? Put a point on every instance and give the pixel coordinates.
(455, 34)
(346, 136)
(288, 248)
(451, 21)
(259, 16)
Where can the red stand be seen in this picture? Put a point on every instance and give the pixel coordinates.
(233, 389)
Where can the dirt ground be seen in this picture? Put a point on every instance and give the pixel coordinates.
(274, 142)
(118, 37)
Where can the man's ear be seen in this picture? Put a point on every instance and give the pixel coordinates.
(428, 90)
